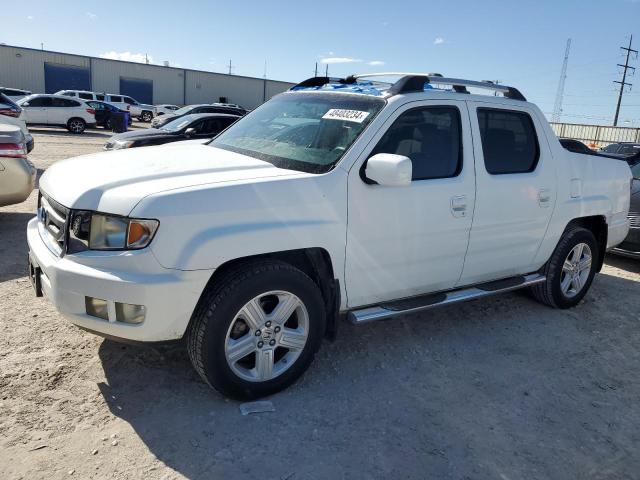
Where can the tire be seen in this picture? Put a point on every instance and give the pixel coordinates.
(568, 283)
(146, 116)
(237, 329)
(76, 125)
(107, 124)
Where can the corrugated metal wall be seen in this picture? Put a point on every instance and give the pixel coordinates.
(24, 68)
(600, 135)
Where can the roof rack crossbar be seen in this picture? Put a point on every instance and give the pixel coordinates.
(414, 82)
(405, 85)
(321, 81)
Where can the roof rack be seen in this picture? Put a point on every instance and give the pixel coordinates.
(415, 82)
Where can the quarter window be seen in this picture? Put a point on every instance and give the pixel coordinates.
(430, 137)
(509, 141)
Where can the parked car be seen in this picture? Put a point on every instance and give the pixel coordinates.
(191, 109)
(14, 94)
(164, 109)
(331, 199)
(189, 127)
(58, 110)
(138, 110)
(17, 174)
(631, 245)
(576, 146)
(104, 112)
(11, 114)
(623, 148)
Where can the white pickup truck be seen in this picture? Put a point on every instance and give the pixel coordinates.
(355, 197)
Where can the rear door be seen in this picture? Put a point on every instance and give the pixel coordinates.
(516, 191)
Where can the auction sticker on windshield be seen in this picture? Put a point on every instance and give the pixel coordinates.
(348, 115)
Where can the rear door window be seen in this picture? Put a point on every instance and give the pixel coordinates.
(116, 98)
(86, 96)
(509, 141)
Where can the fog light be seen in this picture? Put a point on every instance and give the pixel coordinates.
(96, 307)
(128, 313)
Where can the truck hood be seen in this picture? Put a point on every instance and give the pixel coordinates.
(114, 182)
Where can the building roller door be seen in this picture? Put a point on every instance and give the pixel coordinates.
(138, 88)
(66, 77)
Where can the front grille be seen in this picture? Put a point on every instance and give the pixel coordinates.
(52, 223)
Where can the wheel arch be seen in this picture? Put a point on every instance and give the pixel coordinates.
(315, 262)
(597, 224)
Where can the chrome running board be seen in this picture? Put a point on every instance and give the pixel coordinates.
(426, 302)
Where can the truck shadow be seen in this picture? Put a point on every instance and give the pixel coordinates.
(474, 390)
(13, 236)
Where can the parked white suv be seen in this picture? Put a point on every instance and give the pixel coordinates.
(58, 110)
(138, 110)
(349, 197)
(12, 114)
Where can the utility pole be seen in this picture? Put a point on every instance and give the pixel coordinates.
(230, 67)
(316, 71)
(624, 83)
(557, 106)
(326, 70)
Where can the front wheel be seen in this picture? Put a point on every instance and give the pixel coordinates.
(257, 329)
(570, 270)
(76, 125)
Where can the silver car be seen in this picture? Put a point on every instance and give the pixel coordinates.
(17, 174)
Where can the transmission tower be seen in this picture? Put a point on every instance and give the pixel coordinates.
(557, 106)
(624, 83)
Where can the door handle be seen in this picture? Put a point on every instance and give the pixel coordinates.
(544, 197)
(459, 205)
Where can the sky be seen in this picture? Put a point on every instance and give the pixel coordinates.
(521, 43)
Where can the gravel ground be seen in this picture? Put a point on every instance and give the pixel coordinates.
(502, 388)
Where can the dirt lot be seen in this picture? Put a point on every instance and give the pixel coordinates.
(497, 389)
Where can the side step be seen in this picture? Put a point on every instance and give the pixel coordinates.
(426, 302)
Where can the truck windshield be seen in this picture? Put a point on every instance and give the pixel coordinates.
(308, 132)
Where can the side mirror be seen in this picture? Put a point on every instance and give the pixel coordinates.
(190, 131)
(389, 170)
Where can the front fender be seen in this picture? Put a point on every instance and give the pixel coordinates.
(204, 227)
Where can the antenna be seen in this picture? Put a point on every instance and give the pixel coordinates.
(230, 67)
(557, 106)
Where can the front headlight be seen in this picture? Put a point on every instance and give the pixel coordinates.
(96, 231)
(118, 144)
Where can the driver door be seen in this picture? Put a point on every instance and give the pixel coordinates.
(412, 240)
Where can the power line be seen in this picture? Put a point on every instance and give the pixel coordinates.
(557, 107)
(623, 83)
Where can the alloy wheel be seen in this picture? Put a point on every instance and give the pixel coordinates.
(576, 270)
(267, 336)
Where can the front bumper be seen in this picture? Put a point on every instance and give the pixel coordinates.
(133, 277)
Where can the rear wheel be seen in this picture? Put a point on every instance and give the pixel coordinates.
(146, 116)
(107, 124)
(76, 125)
(570, 270)
(257, 329)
